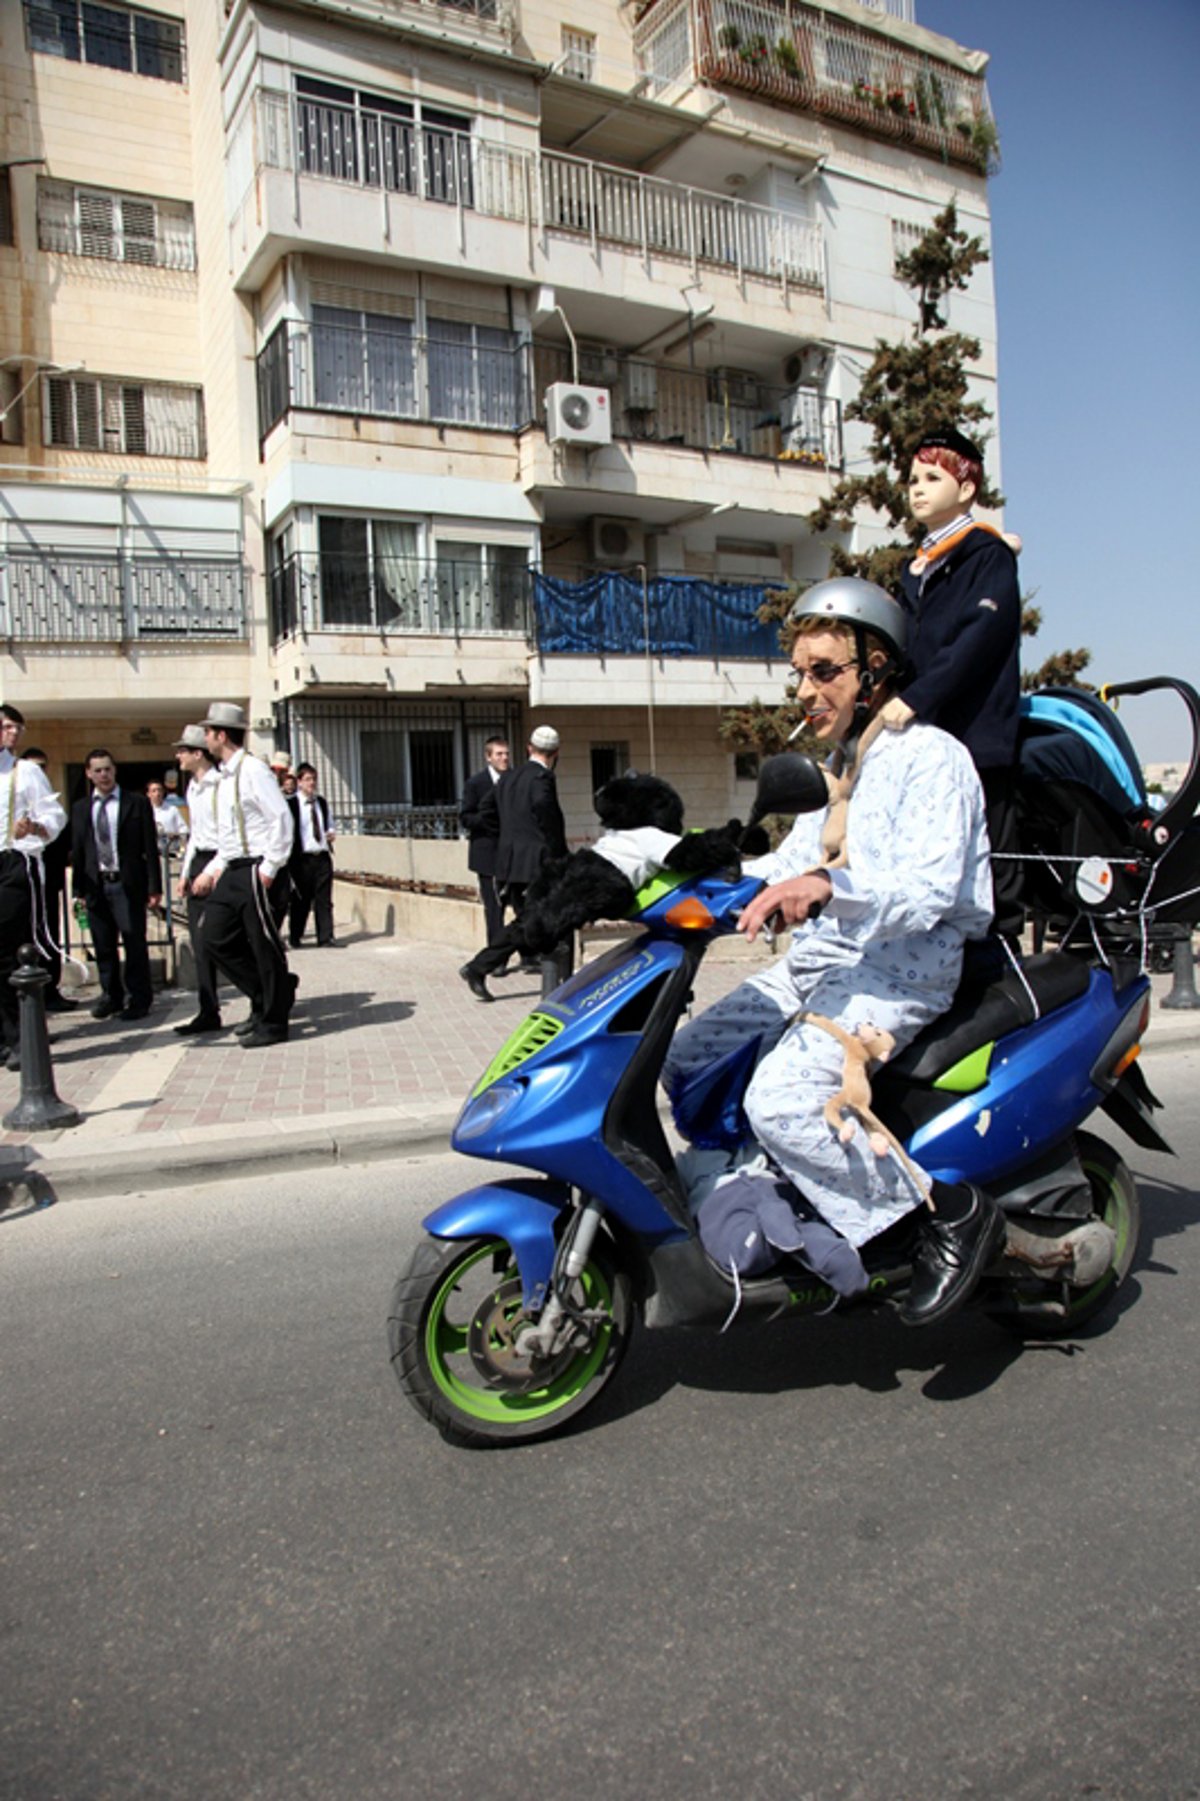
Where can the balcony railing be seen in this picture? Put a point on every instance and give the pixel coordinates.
(555, 194)
(674, 616)
(102, 599)
(725, 410)
(384, 593)
(387, 373)
(799, 55)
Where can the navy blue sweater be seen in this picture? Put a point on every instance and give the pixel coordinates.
(965, 647)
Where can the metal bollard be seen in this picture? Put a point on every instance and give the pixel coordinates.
(39, 1106)
(1183, 996)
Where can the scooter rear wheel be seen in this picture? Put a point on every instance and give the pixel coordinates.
(1116, 1203)
(452, 1328)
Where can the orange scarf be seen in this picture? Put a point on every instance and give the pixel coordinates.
(923, 561)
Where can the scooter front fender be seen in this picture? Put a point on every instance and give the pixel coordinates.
(523, 1212)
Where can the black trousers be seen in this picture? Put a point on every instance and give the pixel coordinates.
(279, 896)
(1000, 800)
(16, 929)
(208, 1004)
(242, 940)
(312, 891)
(493, 907)
(119, 923)
(50, 888)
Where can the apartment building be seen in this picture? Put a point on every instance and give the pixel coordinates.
(414, 369)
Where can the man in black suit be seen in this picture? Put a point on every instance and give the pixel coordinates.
(532, 832)
(115, 871)
(311, 862)
(483, 830)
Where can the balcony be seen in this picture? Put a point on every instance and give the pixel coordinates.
(390, 594)
(289, 151)
(668, 618)
(797, 55)
(79, 599)
(386, 372)
(724, 410)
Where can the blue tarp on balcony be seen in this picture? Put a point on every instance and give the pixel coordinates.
(605, 616)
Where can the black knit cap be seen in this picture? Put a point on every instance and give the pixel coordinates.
(949, 439)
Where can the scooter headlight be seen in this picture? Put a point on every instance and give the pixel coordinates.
(484, 1112)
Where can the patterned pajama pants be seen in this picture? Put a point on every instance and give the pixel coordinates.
(800, 1068)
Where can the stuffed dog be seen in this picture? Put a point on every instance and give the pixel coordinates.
(643, 832)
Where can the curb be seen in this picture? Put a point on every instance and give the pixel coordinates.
(138, 1168)
(131, 1166)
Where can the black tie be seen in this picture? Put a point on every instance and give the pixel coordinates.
(315, 825)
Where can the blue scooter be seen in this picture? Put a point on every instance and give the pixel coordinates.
(516, 1309)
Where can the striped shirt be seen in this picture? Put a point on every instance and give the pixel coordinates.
(961, 524)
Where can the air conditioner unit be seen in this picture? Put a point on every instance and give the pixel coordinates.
(808, 365)
(617, 542)
(576, 415)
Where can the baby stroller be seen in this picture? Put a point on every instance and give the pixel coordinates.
(1104, 872)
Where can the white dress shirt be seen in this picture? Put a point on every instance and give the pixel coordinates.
(202, 815)
(26, 794)
(253, 817)
(313, 834)
(113, 803)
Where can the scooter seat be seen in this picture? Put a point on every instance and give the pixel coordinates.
(979, 1016)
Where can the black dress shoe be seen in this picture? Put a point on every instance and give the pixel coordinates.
(195, 1026)
(130, 1012)
(247, 1026)
(58, 1003)
(475, 983)
(949, 1260)
(105, 1009)
(264, 1035)
(12, 1060)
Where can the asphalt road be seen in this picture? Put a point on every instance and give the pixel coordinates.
(836, 1559)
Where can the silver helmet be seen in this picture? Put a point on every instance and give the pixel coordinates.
(861, 605)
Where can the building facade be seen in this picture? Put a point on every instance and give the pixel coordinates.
(415, 369)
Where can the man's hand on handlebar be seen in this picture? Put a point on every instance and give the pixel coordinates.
(786, 904)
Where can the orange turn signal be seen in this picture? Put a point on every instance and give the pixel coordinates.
(1123, 1063)
(690, 913)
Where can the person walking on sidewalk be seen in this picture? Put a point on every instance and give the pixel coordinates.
(254, 841)
(30, 815)
(483, 829)
(193, 758)
(532, 833)
(116, 872)
(311, 864)
(51, 867)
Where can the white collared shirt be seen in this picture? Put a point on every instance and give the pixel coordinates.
(202, 816)
(253, 817)
(933, 539)
(25, 793)
(313, 835)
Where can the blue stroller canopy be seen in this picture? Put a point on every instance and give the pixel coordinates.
(1095, 725)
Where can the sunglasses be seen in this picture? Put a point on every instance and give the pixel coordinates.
(824, 673)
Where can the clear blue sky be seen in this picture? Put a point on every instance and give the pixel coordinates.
(1096, 246)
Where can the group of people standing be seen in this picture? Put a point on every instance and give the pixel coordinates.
(255, 859)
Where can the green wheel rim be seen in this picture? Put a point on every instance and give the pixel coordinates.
(1114, 1213)
(444, 1339)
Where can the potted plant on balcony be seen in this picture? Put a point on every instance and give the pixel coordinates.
(787, 58)
(755, 49)
(729, 37)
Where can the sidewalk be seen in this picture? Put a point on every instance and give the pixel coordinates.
(386, 1042)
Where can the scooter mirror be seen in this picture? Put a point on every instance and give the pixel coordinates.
(789, 783)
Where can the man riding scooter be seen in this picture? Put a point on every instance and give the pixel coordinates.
(885, 887)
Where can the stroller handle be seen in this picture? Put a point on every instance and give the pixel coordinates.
(1164, 826)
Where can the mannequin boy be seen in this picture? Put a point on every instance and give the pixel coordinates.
(962, 592)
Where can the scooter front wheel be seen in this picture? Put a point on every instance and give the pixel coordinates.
(453, 1326)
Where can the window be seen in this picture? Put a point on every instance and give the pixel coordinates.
(123, 228)
(407, 766)
(906, 235)
(112, 37)
(482, 587)
(380, 142)
(125, 418)
(608, 761)
(473, 374)
(370, 575)
(363, 362)
(12, 406)
(579, 53)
